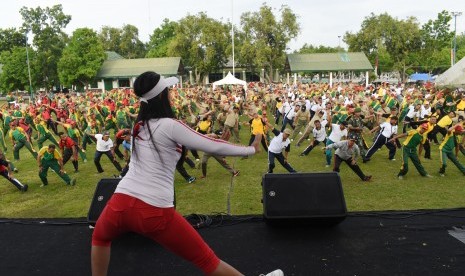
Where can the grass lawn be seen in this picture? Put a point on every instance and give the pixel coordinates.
(207, 196)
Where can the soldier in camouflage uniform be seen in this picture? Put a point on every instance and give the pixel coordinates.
(356, 125)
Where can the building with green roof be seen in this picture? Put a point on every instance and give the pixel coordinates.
(119, 72)
(328, 63)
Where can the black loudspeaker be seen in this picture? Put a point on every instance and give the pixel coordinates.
(303, 198)
(103, 192)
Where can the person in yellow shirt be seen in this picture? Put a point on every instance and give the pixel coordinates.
(442, 126)
(461, 106)
(49, 157)
(257, 126)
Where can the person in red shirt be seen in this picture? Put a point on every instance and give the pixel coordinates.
(120, 135)
(68, 150)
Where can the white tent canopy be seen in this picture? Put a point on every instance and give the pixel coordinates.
(454, 76)
(229, 79)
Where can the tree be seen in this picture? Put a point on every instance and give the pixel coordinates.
(111, 39)
(131, 46)
(161, 38)
(10, 38)
(436, 41)
(267, 37)
(310, 49)
(15, 74)
(400, 38)
(202, 43)
(81, 59)
(124, 41)
(49, 39)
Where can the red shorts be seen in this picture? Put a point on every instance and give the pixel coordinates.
(167, 227)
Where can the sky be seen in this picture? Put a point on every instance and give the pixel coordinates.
(322, 22)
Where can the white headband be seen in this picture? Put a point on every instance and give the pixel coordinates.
(159, 87)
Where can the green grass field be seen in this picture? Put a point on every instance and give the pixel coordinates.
(207, 196)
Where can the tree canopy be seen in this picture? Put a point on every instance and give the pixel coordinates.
(81, 59)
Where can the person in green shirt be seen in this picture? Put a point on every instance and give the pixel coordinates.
(49, 157)
(122, 118)
(447, 149)
(409, 150)
(43, 133)
(20, 139)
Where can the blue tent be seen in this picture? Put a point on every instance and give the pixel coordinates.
(421, 77)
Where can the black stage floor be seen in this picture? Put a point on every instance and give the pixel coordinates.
(371, 243)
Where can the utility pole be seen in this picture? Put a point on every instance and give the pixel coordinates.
(454, 51)
(31, 99)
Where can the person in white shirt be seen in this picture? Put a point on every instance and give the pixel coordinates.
(289, 117)
(413, 114)
(104, 146)
(143, 201)
(387, 131)
(319, 136)
(277, 145)
(425, 111)
(337, 133)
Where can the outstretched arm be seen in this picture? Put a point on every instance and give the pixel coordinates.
(186, 136)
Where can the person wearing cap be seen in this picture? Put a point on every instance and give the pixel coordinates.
(49, 157)
(448, 147)
(386, 131)
(338, 133)
(355, 126)
(43, 132)
(19, 139)
(104, 146)
(143, 201)
(409, 150)
(278, 144)
(347, 151)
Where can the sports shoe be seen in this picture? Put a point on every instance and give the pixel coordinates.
(73, 182)
(429, 176)
(441, 174)
(400, 177)
(393, 159)
(327, 166)
(43, 185)
(236, 173)
(15, 170)
(277, 272)
(302, 154)
(85, 160)
(24, 188)
(191, 179)
(367, 178)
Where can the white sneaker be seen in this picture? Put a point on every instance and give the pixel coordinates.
(277, 272)
(327, 166)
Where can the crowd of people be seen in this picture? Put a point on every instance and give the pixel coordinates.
(340, 118)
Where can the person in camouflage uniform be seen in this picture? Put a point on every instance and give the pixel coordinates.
(356, 125)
